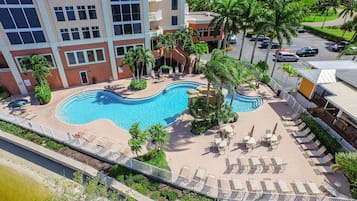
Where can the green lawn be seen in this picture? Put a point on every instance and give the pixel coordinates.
(316, 17)
(336, 32)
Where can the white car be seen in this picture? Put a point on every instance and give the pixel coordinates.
(233, 39)
(286, 56)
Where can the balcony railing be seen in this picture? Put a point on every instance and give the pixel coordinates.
(154, 1)
(155, 16)
(155, 32)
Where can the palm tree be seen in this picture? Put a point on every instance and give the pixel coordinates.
(144, 57)
(38, 65)
(286, 17)
(291, 72)
(198, 5)
(324, 6)
(349, 9)
(247, 18)
(158, 135)
(349, 50)
(129, 59)
(243, 73)
(227, 17)
(346, 162)
(138, 138)
(350, 25)
(163, 41)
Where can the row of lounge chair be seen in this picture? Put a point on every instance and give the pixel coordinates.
(254, 163)
(313, 150)
(227, 186)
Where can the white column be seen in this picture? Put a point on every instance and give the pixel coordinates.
(52, 40)
(12, 65)
(107, 14)
(146, 23)
(182, 13)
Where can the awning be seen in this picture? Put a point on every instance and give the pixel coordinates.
(335, 64)
(318, 76)
(344, 97)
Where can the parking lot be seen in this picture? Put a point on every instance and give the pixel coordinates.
(303, 40)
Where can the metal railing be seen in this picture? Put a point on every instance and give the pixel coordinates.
(163, 175)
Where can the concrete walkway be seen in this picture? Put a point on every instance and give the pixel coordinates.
(69, 162)
(335, 22)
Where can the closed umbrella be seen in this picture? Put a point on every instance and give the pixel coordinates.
(275, 127)
(251, 132)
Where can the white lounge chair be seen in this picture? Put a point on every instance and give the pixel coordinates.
(302, 133)
(300, 188)
(237, 185)
(325, 169)
(30, 116)
(291, 117)
(322, 161)
(297, 128)
(293, 123)
(211, 181)
(307, 139)
(283, 187)
(185, 173)
(312, 146)
(316, 153)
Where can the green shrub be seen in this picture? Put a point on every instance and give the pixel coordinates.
(322, 135)
(43, 93)
(31, 136)
(266, 78)
(165, 69)
(129, 181)
(156, 158)
(153, 186)
(140, 188)
(138, 84)
(155, 195)
(170, 195)
(190, 196)
(262, 66)
(54, 145)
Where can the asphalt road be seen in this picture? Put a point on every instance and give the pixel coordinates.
(302, 40)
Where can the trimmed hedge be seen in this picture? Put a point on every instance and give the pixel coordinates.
(138, 85)
(322, 34)
(322, 135)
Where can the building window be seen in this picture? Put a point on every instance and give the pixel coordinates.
(174, 4)
(70, 13)
(75, 34)
(65, 34)
(26, 37)
(121, 50)
(59, 13)
(95, 32)
(82, 12)
(92, 12)
(126, 17)
(173, 20)
(205, 32)
(85, 56)
(85, 32)
(14, 38)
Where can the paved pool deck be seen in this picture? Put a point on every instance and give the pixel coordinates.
(186, 149)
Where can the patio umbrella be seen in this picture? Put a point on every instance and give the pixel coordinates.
(251, 132)
(276, 126)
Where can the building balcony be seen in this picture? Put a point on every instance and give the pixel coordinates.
(155, 32)
(155, 16)
(152, 1)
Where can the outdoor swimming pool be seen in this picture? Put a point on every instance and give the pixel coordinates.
(162, 108)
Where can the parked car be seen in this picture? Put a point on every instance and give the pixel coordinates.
(265, 44)
(286, 56)
(233, 39)
(307, 51)
(338, 47)
(300, 30)
(259, 38)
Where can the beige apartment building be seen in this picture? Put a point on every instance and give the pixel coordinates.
(84, 40)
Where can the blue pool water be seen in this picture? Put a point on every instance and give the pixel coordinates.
(162, 108)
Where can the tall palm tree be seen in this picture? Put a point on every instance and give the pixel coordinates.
(242, 73)
(171, 40)
(163, 41)
(227, 18)
(350, 7)
(144, 57)
(129, 59)
(324, 6)
(350, 25)
(39, 66)
(158, 135)
(286, 17)
(247, 18)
